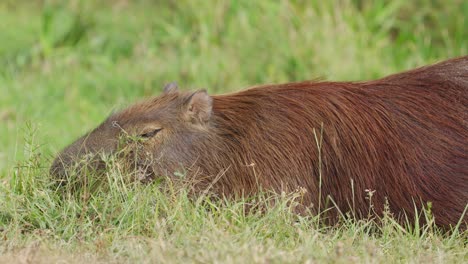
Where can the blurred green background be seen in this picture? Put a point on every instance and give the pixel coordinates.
(65, 65)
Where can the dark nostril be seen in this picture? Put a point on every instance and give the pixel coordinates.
(55, 169)
(57, 172)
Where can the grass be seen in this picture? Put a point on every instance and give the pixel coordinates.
(65, 65)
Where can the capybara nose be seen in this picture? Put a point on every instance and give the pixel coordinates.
(58, 170)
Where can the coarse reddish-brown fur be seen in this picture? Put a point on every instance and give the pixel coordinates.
(403, 138)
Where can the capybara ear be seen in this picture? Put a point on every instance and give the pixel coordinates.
(198, 107)
(171, 87)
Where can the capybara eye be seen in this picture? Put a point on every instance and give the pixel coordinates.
(151, 133)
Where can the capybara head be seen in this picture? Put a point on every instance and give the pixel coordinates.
(159, 136)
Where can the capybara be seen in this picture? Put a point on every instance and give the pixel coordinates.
(401, 139)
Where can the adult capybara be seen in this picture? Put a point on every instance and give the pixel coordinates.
(402, 138)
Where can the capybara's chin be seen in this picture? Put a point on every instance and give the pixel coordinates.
(402, 138)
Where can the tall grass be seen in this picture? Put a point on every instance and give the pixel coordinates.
(65, 65)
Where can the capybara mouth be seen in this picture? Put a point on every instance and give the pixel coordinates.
(66, 168)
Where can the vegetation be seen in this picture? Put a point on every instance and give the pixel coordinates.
(65, 65)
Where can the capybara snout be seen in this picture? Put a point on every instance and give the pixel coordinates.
(403, 137)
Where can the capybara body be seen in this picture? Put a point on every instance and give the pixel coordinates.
(402, 139)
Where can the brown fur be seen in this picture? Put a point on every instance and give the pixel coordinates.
(404, 136)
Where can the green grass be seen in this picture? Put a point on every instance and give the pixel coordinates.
(64, 66)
